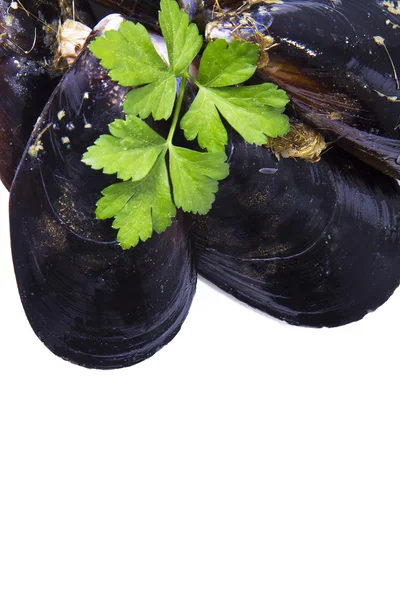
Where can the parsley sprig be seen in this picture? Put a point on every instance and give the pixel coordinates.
(143, 201)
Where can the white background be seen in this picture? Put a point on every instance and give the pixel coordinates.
(247, 460)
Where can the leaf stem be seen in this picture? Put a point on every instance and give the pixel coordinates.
(194, 81)
(177, 109)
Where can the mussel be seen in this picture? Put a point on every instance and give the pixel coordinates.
(314, 243)
(30, 67)
(88, 300)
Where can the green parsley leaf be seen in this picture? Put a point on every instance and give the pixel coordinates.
(183, 40)
(203, 121)
(157, 98)
(142, 202)
(132, 60)
(254, 111)
(195, 177)
(139, 207)
(223, 64)
(129, 55)
(130, 151)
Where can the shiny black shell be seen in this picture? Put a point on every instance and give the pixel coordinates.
(312, 244)
(346, 58)
(145, 11)
(88, 300)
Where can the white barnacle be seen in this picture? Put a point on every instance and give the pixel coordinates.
(394, 26)
(392, 6)
(71, 36)
(35, 149)
(87, 125)
(65, 140)
(379, 40)
(61, 114)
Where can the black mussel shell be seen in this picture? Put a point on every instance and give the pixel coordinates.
(29, 70)
(340, 65)
(88, 300)
(354, 44)
(347, 63)
(144, 11)
(312, 244)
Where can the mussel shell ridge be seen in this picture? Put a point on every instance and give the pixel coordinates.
(88, 300)
(312, 244)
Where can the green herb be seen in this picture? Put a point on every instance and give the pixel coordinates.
(144, 201)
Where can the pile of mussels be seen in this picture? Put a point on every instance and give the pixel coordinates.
(306, 229)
